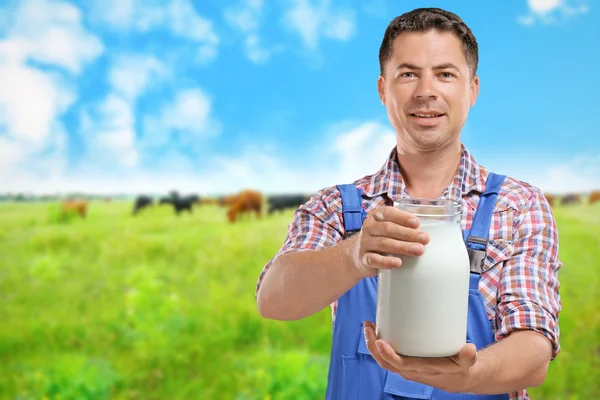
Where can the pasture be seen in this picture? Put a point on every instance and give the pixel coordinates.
(160, 306)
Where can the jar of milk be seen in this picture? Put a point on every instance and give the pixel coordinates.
(422, 305)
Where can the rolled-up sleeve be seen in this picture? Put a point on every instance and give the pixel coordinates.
(529, 288)
(313, 227)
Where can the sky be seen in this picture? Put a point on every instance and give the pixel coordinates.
(131, 96)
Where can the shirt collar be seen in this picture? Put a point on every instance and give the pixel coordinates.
(388, 180)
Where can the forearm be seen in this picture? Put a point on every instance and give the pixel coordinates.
(514, 363)
(302, 283)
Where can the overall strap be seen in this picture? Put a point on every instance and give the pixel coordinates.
(478, 235)
(352, 211)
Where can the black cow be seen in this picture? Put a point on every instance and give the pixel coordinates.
(180, 203)
(283, 201)
(142, 202)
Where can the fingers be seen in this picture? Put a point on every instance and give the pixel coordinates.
(394, 223)
(388, 245)
(393, 214)
(387, 233)
(372, 340)
(387, 228)
(374, 260)
(467, 356)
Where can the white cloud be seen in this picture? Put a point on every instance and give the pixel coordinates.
(11, 153)
(32, 100)
(547, 11)
(268, 169)
(543, 6)
(185, 22)
(110, 134)
(109, 128)
(370, 142)
(260, 166)
(206, 54)
(255, 51)
(177, 16)
(131, 74)
(579, 173)
(317, 19)
(50, 32)
(528, 20)
(189, 114)
(246, 18)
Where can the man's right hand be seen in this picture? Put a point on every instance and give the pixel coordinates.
(387, 230)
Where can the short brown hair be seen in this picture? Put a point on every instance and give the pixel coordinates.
(426, 19)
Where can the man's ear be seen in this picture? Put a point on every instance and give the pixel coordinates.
(381, 89)
(474, 90)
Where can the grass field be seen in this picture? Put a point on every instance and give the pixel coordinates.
(162, 307)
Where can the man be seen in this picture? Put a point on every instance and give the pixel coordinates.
(428, 82)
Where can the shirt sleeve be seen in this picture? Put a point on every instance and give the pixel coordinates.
(529, 287)
(313, 227)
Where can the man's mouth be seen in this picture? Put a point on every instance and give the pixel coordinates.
(428, 115)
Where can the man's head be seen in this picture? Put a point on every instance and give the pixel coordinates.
(428, 81)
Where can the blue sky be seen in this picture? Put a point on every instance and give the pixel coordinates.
(131, 95)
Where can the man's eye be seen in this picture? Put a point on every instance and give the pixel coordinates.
(407, 75)
(447, 75)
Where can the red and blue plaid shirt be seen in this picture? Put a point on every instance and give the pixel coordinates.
(519, 281)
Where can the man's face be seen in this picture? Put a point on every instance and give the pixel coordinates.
(427, 90)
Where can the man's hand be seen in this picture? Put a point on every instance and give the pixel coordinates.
(452, 374)
(387, 231)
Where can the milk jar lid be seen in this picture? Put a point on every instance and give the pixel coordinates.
(422, 207)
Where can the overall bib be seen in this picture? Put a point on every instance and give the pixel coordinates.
(353, 372)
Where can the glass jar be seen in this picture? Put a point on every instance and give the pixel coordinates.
(422, 306)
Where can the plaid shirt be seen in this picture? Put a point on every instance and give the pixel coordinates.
(519, 280)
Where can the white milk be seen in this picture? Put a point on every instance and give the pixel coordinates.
(422, 306)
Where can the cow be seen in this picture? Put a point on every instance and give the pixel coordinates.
(571, 198)
(594, 197)
(244, 203)
(551, 198)
(180, 203)
(142, 202)
(75, 206)
(284, 201)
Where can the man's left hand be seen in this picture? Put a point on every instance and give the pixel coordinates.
(452, 374)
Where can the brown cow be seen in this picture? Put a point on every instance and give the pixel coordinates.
(245, 202)
(594, 196)
(551, 198)
(75, 206)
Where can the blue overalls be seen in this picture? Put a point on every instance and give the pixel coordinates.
(353, 372)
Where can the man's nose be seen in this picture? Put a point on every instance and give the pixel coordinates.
(426, 88)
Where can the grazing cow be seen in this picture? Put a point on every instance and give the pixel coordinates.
(281, 202)
(244, 203)
(571, 198)
(142, 202)
(180, 203)
(551, 198)
(594, 196)
(75, 206)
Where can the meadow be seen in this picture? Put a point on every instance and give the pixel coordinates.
(161, 306)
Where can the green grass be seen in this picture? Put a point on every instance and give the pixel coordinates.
(162, 307)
